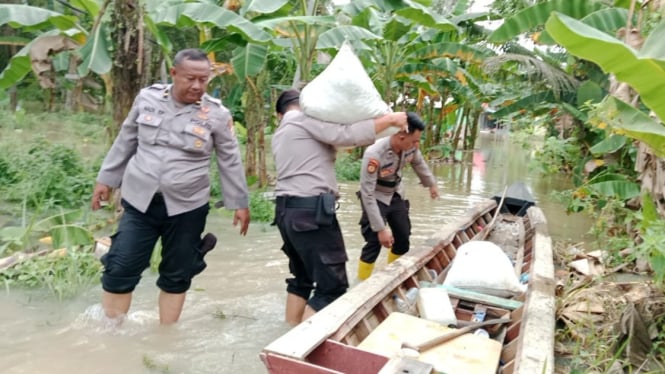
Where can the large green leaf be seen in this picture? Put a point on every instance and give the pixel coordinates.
(654, 46)
(589, 91)
(263, 6)
(14, 40)
(249, 60)
(572, 110)
(627, 120)
(646, 75)
(90, 6)
(213, 15)
(19, 66)
(160, 36)
(426, 18)
(533, 16)
(623, 190)
(95, 53)
(608, 145)
(334, 38)
(30, 16)
(70, 235)
(395, 29)
(607, 20)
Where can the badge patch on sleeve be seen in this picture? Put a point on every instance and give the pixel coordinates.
(372, 165)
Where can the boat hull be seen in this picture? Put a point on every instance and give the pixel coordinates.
(328, 341)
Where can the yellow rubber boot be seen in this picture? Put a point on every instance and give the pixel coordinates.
(392, 257)
(364, 269)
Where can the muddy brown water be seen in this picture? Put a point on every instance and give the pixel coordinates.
(235, 307)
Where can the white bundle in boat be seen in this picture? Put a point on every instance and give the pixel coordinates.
(343, 92)
(483, 267)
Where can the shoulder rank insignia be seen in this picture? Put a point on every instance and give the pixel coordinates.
(158, 86)
(213, 100)
(372, 165)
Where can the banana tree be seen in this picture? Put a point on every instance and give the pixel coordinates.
(644, 71)
(531, 19)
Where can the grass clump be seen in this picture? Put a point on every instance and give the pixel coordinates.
(64, 272)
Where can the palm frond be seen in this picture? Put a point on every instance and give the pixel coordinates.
(535, 69)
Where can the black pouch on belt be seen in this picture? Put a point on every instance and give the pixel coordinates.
(325, 209)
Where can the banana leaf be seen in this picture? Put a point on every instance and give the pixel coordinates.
(621, 189)
(627, 120)
(334, 38)
(34, 18)
(608, 145)
(263, 6)
(645, 73)
(249, 60)
(95, 53)
(194, 13)
(536, 15)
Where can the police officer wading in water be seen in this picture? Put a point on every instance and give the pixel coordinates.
(306, 190)
(383, 196)
(161, 158)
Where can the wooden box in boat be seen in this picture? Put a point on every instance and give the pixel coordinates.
(329, 341)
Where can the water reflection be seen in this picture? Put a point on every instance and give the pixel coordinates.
(235, 307)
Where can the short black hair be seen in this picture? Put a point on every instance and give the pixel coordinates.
(415, 123)
(285, 99)
(193, 54)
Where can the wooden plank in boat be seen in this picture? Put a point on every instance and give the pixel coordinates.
(345, 358)
(277, 364)
(535, 352)
(402, 365)
(469, 354)
(482, 298)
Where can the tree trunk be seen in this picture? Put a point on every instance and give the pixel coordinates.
(255, 122)
(473, 122)
(125, 72)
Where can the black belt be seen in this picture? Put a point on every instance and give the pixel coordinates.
(298, 202)
(390, 184)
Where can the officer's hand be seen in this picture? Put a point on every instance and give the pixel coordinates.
(433, 192)
(242, 216)
(399, 119)
(100, 194)
(386, 238)
(396, 119)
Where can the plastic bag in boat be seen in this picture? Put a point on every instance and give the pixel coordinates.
(343, 92)
(484, 267)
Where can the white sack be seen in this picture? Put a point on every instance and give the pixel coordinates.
(343, 92)
(483, 267)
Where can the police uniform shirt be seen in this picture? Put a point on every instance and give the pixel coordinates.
(304, 152)
(165, 148)
(381, 165)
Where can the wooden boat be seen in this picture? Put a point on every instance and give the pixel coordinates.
(335, 339)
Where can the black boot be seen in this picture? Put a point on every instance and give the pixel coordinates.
(205, 245)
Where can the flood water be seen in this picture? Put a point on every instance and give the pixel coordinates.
(235, 306)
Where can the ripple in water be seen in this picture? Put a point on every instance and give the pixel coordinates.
(94, 319)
